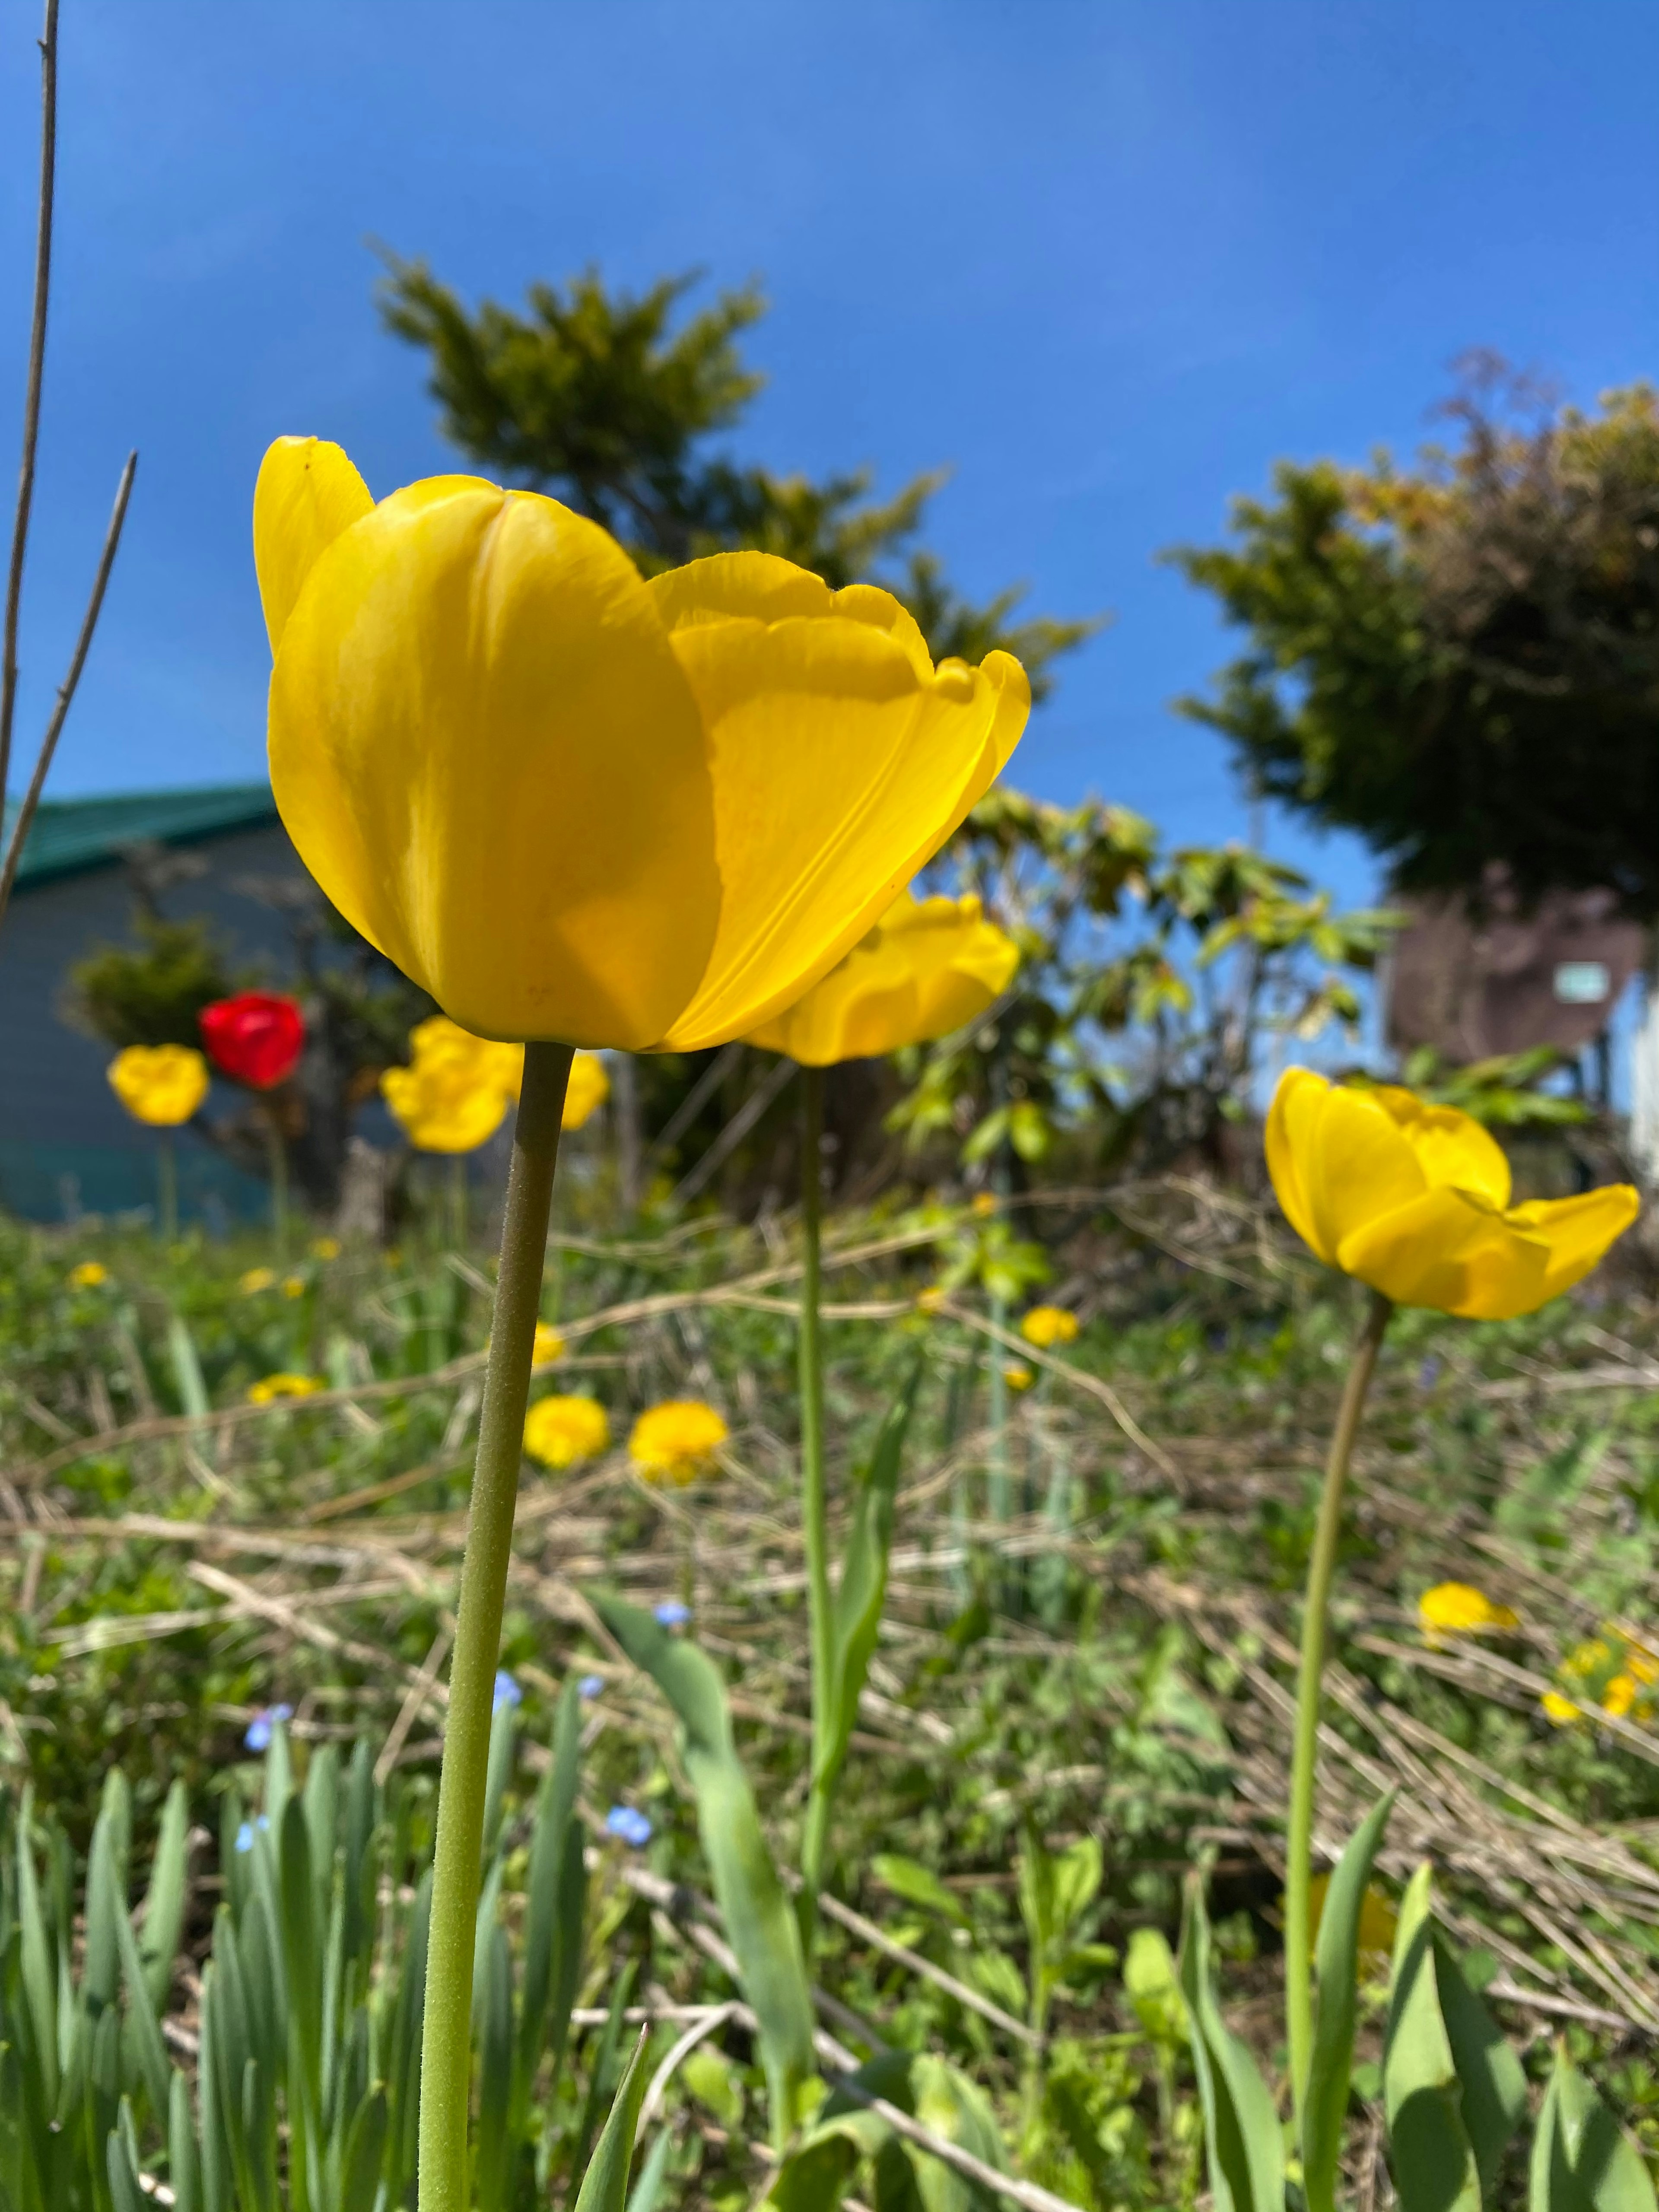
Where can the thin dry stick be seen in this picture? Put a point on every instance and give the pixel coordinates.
(66, 689)
(423, 1687)
(20, 528)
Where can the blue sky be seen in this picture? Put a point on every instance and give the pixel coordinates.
(1107, 257)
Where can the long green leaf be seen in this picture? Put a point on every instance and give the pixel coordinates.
(1325, 2104)
(143, 2034)
(495, 2147)
(1453, 2091)
(365, 2147)
(164, 1900)
(124, 2191)
(1244, 2146)
(604, 2184)
(648, 2188)
(184, 2160)
(758, 1915)
(1582, 2159)
(862, 1590)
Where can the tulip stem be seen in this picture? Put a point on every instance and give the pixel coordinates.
(445, 2041)
(814, 1516)
(277, 1152)
(1321, 1569)
(166, 1191)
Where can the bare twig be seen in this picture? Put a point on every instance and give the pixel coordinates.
(66, 689)
(20, 528)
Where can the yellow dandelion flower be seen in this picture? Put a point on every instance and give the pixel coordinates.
(930, 1300)
(675, 1441)
(984, 1203)
(1017, 1377)
(1459, 1609)
(325, 1247)
(88, 1275)
(560, 1431)
(1046, 1326)
(272, 1387)
(255, 1280)
(293, 1286)
(549, 1345)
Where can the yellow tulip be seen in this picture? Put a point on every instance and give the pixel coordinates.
(159, 1084)
(927, 967)
(443, 1115)
(1414, 1200)
(587, 1091)
(580, 807)
(562, 1432)
(675, 1441)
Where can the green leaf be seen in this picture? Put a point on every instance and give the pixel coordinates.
(1153, 1986)
(1453, 2091)
(758, 1919)
(124, 2192)
(863, 1586)
(1582, 2159)
(183, 2158)
(1244, 2145)
(164, 1900)
(496, 2142)
(1325, 2100)
(648, 2188)
(604, 2184)
(187, 1369)
(365, 2146)
(143, 2035)
(917, 1885)
(950, 2106)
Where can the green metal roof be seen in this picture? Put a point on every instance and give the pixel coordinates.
(69, 835)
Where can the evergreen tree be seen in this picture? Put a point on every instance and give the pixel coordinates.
(1460, 661)
(602, 399)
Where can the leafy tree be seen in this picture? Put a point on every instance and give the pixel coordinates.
(1461, 660)
(597, 397)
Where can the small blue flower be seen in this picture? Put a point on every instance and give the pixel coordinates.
(245, 1836)
(263, 1726)
(1429, 1373)
(671, 1613)
(629, 1825)
(508, 1692)
(590, 1687)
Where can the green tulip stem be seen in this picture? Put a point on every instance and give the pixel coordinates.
(276, 1150)
(1316, 1611)
(814, 1517)
(167, 1190)
(445, 2041)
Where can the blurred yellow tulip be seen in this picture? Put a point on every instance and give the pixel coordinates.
(455, 1094)
(580, 807)
(587, 1091)
(926, 968)
(562, 1431)
(161, 1084)
(1414, 1200)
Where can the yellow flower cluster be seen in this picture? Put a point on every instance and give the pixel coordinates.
(577, 805)
(161, 1084)
(562, 1431)
(1414, 1200)
(272, 1387)
(929, 966)
(1048, 1325)
(1608, 1671)
(675, 1441)
(1452, 1609)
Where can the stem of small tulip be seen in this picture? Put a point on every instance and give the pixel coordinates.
(814, 1517)
(446, 2040)
(1322, 1568)
(166, 1190)
(277, 1150)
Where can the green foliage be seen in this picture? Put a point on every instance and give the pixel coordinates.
(1501, 1093)
(153, 993)
(595, 396)
(1453, 2090)
(1581, 2161)
(1324, 2103)
(1244, 2147)
(1460, 662)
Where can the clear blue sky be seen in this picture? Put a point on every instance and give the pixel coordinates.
(1108, 257)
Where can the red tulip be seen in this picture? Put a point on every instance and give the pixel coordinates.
(254, 1038)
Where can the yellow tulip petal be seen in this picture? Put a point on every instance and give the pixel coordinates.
(839, 770)
(1576, 1230)
(159, 1084)
(928, 968)
(308, 493)
(1293, 1118)
(1445, 1251)
(761, 586)
(1452, 1147)
(586, 1092)
(1359, 1167)
(481, 738)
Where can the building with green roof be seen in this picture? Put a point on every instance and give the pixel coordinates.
(66, 1147)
